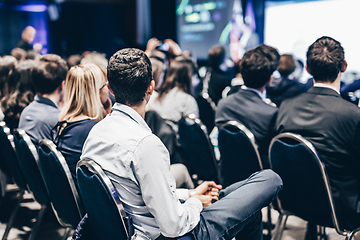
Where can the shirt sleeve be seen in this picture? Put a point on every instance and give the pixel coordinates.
(158, 190)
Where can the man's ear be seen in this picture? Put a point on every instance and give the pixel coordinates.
(110, 90)
(151, 88)
(344, 66)
(61, 87)
(307, 69)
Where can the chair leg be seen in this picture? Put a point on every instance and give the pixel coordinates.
(38, 222)
(269, 223)
(13, 215)
(279, 228)
(66, 234)
(321, 233)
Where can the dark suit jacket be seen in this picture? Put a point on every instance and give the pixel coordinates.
(284, 88)
(332, 125)
(246, 107)
(218, 81)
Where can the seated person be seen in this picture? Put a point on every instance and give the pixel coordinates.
(133, 158)
(331, 124)
(174, 98)
(41, 116)
(19, 93)
(286, 86)
(247, 106)
(83, 108)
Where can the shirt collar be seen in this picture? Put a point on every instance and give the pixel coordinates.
(323, 85)
(132, 114)
(262, 95)
(46, 101)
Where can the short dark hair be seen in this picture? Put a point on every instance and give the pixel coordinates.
(325, 59)
(129, 74)
(216, 56)
(286, 65)
(49, 73)
(258, 64)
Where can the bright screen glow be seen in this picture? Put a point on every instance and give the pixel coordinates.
(292, 27)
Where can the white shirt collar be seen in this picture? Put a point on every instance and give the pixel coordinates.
(324, 85)
(262, 95)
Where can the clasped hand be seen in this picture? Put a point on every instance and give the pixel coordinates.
(207, 193)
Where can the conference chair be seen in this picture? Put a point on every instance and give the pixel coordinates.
(105, 211)
(197, 150)
(29, 162)
(239, 155)
(306, 191)
(63, 193)
(8, 157)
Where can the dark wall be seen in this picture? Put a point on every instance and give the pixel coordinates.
(92, 27)
(163, 19)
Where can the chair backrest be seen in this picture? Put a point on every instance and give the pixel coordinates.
(101, 200)
(60, 185)
(306, 191)
(29, 162)
(8, 156)
(239, 155)
(197, 150)
(206, 111)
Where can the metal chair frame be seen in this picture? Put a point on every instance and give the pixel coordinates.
(52, 147)
(21, 133)
(96, 169)
(280, 225)
(20, 195)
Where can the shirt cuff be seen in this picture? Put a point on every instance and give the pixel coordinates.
(182, 193)
(195, 202)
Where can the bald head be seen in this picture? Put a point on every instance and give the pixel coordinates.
(28, 34)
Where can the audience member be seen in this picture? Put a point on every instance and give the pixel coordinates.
(74, 60)
(286, 86)
(158, 72)
(219, 79)
(19, 93)
(39, 118)
(121, 144)
(174, 100)
(7, 67)
(82, 110)
(27, 37)
(32, 54)
(248, 106)
(96, 58)
(19, 54)
(236, 82)
(331, 124)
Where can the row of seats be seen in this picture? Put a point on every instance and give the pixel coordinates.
(306, 192)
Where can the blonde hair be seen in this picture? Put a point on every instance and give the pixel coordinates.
(82, 93)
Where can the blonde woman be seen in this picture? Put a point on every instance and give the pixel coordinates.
(86, 101)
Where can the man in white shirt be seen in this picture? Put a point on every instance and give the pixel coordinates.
(138, 164)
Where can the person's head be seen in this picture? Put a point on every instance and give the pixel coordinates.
(28, 34)
(237, 68)
(178, 75)
(216, 56)
(129, 73)
(74, 60)
(19, 54)
(32, 54)
(7, 67)
(287, 65)
(258, 64)
(158, 71)
(82, 92)
(325, 59)
(96, 58)
(49, 73)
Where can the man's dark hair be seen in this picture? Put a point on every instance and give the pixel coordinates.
(129, 73)
(325, 59)
(286, 65)
(49, 73)
(258, 64)
(216, 56)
